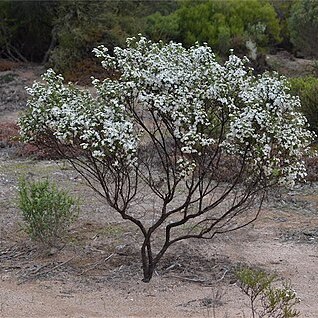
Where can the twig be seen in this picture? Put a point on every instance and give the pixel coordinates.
(172, 267)
(55, 267)
(218, 280)
(195, 280)
(14, 251)
(23, 253)
(97, 263)
(38, 269)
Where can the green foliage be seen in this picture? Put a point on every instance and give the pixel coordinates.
(67, 30)
(223, 24)
(5, 31)
(160, 27)
(78, 27)
(283, 11)
(82, 25)
(303, 27)
(47, 211)
(306, 88)
(267, 300)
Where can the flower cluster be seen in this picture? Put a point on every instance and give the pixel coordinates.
(267, 128)
(197, 95)
(74, 116)
(201, 102)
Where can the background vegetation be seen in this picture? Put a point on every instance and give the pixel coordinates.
(62, 33)
(306, 88)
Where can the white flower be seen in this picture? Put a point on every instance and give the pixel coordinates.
(199, 102)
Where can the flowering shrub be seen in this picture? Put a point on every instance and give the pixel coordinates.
(164, 125)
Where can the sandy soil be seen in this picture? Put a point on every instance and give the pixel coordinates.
(97, 273)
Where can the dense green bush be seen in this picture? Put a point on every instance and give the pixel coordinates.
(306, 88)
(222, 24)
(161, 27)
(47, 211)
(64, 32)
(303, 26)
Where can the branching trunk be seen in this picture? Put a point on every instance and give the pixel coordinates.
(149, 260)
(148, 265)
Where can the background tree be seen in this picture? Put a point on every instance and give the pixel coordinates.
(164, 132)
(25, 29)
(65, 32)
(283, 10)
(82, 25)
(303, 26)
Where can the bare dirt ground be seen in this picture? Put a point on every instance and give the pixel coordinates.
(97, 272)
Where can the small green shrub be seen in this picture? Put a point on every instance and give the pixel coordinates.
(266, 300)
(7, 78)
(306, 88)
(47, 211)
